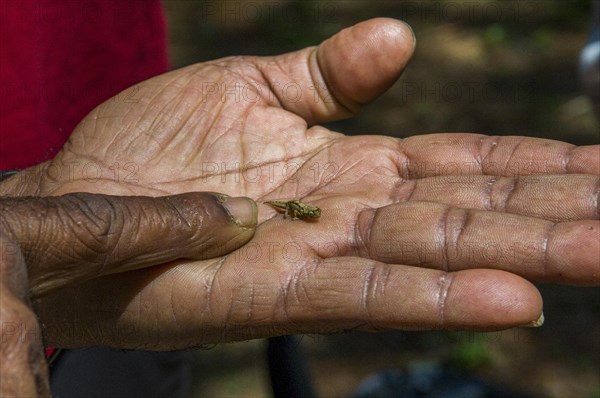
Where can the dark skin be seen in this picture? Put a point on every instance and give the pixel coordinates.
(404, 238)
(47, 243)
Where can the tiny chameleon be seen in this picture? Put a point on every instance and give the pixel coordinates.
(296, 209)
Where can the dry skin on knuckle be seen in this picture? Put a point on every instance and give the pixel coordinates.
(445, 282)
(203, 221)
(374, 293)
(300, 299)
(296, 291)
(102, 221)
(502, 191)
(339, 291)
(455, 221)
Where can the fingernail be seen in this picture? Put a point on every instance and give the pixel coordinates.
(536, 324)
(242, 211)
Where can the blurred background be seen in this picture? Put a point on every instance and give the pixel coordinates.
(488, 66)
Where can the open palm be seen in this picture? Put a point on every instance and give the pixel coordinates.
(414, 233)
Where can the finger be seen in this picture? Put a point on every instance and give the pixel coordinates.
(78, 236)
(346, 71)
(438, 236)
(550, 197)
(194, 305)
(374, 295)
(23, 368)
(461, 153)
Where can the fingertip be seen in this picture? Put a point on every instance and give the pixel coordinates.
(395, 33)
(490, 299)
(364, 60)
(220, 223)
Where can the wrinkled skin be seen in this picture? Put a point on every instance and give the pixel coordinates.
(434, 231)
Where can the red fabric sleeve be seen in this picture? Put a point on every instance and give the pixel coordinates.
(58, 60)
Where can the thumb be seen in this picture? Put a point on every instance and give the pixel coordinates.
(79, 236)
(363, 61)
(350, 69)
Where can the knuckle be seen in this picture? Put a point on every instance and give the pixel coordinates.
(96, 223)
(454, 223)
(445, 281)
(300, 291)
(373, 291)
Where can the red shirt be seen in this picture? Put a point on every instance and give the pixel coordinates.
(60, 59)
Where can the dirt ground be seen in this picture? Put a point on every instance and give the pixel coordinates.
(494, 67)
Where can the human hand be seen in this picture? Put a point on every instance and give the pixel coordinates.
(22, 365)
(407, 225)
(51, 242)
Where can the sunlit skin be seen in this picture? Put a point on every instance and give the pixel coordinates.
(382, 255)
